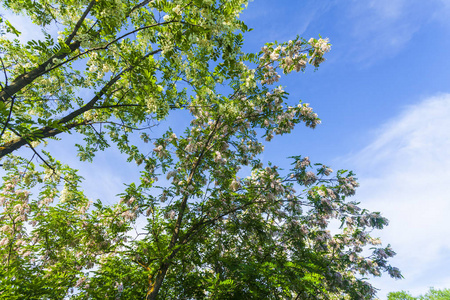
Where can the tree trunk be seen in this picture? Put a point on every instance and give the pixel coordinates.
(154, 289)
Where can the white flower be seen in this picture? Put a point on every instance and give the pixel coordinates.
(274, 55)
(171, 174)
(217, 156)
(119, 287)
(131, 200)
(323, 45)
(288, 61)
(235, 185)
(158, 149)
(310, 177)
(166, 18)
(93, 68)
(4, 241)
(176, 9)
(172, 214)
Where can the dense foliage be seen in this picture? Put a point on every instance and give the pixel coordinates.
(432, 294)
(220, 224)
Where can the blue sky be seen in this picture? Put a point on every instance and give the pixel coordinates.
(384, 98)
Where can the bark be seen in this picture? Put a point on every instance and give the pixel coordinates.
(25, 79)
(46, 132)
(43, 133)
(154, 290)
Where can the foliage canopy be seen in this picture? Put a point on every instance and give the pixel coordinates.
(432, 294)
(117, 68)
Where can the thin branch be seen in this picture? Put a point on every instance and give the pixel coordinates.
(104, 46)
(27, 78)
(4, 71)
(188, 182)
(9, 118)
(80, 21)
(41, 158)
(112, 42)
(34, 150)
(91, 103)
(139, 5)
(26, 167)
(125, 126)
(49, 131)
(44, 132)
(99, 134)
(154, 287)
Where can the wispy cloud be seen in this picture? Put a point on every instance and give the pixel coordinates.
(381, 28)
(405, 174)
(281, 22)
(362, 31)
(442, 14)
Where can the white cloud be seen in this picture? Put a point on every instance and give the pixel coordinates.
(442, 13)
(405, 174)
(382, 28)
(281, 22)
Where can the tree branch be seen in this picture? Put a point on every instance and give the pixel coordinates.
(46, 132)
(139, 5)
(34, 150)
(25, 79)
(4, 72)
(8, 119)
(80, 21)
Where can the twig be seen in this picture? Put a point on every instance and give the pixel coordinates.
(9, 117)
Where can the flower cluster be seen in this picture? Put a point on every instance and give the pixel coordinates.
(290, 56)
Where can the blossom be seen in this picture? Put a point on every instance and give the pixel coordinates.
(119, 287)
(274, 55)
(310, 177)
(235, 185)
(217, 156)
(323, 45)
(4, 241)
(171, 174)
(176, 10)
(303, 163)
(158, 148)
(80, 281)
(172, 214)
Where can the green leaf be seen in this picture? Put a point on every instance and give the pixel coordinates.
(11, 29)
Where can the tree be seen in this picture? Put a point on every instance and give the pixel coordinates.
(400, 296)
(208, 233)
(432, 294)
